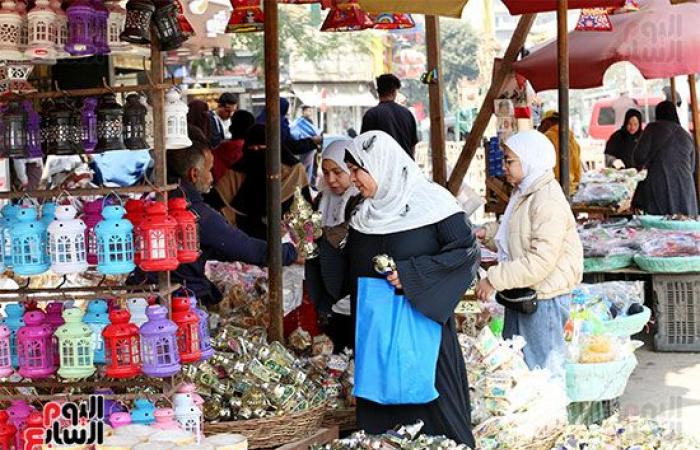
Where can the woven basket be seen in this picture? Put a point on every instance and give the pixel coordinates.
(607, 264)
(595, 382)
(659, 222)
(344, 419)
(675, 264)
(270, 432)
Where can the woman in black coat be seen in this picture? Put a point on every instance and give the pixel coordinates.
(622, 142)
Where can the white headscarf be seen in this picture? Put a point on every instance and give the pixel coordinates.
(332, 206)
(537, 158)
(405, 198)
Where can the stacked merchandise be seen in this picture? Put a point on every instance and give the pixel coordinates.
(608, 188)
(609, 246)
(668, 251)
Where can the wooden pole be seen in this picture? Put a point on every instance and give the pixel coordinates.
(672, 83)
(696, 129)
(486, 111)
(563, 56)
(436, 95)
(273, 164)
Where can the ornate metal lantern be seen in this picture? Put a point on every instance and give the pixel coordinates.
(61, 29)
(29, 255)
(143, 411)
(100, 27)
(75, 346)
(115, 242)
(110, 125)
(135, 123)
(122, 346)
(137, 29)
(390, 21)
(42, 32)
(347, 15)
(156, 236)
(14, 321)
(170, 32)
(187, 234)
(81, 28)
(33, 131)
(97, 319)
(14, 130)
(88, 124)
(92, 215)
(7, 431)
(67, 246)
(61, 129)
(187, 330)
(10, 31)
(34, 347)
(159, 344)
(175, 121)
(5, 355)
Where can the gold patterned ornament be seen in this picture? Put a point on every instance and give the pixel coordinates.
(304, 225)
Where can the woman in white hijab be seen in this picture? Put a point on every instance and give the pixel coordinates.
(422, 227)
(538, 248)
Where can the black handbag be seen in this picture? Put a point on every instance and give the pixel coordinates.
(522, 300)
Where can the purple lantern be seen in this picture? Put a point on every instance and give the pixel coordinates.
(111, 406)
(89, 124)
(92, 215)
(35, 350)
(33, 131)
(101, 17)
(159, 344)
(19, 411)
(54, 317)
(81, 19)
(204, 338)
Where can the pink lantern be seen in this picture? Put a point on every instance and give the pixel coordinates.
(120, 419)
(19, 411)
(5, 357)
(92, 216)
(165, 419)
(34, 347)
(54, 317)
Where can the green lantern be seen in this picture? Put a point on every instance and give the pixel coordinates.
(75, 346)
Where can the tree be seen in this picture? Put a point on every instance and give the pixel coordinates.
(460, 46)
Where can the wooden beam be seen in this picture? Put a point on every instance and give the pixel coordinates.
(696, 129)
(92, 91)
(139, 189)
(484, 116)
(563, 72)
(436, 95)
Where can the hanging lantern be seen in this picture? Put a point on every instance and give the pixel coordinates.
(100, 25)
(10, 31)
(88, 122)
(390, 21)
(54, 317)
(97, 319)
(159, 344)
(110, 127)
(143, 412)
(34, 347)
(137, 29)
(165, 420)
(5, 355)
(115, 242)
(204, 337)
(92, 215)
(347, 15)
(33, 131)
(9, 219)
(123, 347)
(29, 255)
(19, 412)
(14, 131)
(75, 346)
(61, 24)
(120, 419)
(16, 80)
(111, 406)
(7, 431)
(34, 429)
(187, 330)
(187, 235)
(42, 32)
(137, 309)
(134, 123)
(60, 129)
(247, 17)
(115, 26)
(185, 25)
(48, 214)
(135, 213)
(175, 122)
(170, 32)
(67, 246)
(594, 19)
(149, 121)
(14, 321)
(157, 241)
(188, 415)
(81, 28)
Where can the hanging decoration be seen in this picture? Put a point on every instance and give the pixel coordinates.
(185, 25)
(42, 32)
(61, 23)
(122, 346)
(346, 15)
(137, 27)
(6, 368)
(14, 321)
(137, 309)
(19, 412)
(75, 346)
(204, 335)
(170, 32)
(390, 21)
(110, 125)
(176, 121)
(10, 30)
(14, 130)
(81, 28)
(115, 26)
(61, 129)
(187, 330)
(34, 347)
(247, 17)
(100, 27)
(115, 242)
(159, 345)
(594, 19)
(67, 247)
(97, 319)
(187, 234)
(9, 219)
(92, 215)
(135, 123)
(143, 411)
(29, 255)
(188, 415)
(156, 236)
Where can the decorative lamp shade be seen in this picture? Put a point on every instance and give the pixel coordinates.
(60, 129)
(115, 26)
(156, 236)
(14, 321)
(204, 337)
(75, 346)
(390, 21)
(594, 19)
(110, 125)
(9, 218)
(19, 411)
(247, 17)
(97, 319)
(137, 309)
(135, 213)
(170, 31)
(135, 123)
(61, 29)
(120, 419)
(5, 355)
(115, 242)
(187, 322)
(34, 347)
(187, 234)
(81, 28)
(159, 344)
(14, 131)
(185, 25)
(7, 431)
(28, 236)
(92, 215)
(137, 28)
(33, 130)
(149, 120)
(188, 415)
(88, 124)
(143, 412)
(176, 121)
(42, 32)
(165, 420)
(347, 15)
(100, 30)
(10, 31)
(67, 246)
(54, 317)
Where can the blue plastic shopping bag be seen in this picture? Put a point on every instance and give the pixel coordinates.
(396, 347)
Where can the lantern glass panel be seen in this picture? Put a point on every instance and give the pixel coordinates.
(34, 356)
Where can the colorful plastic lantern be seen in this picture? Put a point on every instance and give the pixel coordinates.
(187, 323)
(34, 429)
(156, 237)
(54, 317)
(48, 213)
(9, 219)
(111, 406)
(5, 354)
(137, 309)
(176, 121)
(10, 31)
(42, 32)
(188, 415)
(34, 347)
(134, 123)
(594, 19)
(137, 29)
(159, 344)
(81, 28)
(170, 32)
(33, 130)
(392, 21)
(97, 319)
(165, 420)
(110, 125)
(100, 24)
(115, 26)
(143, 412)
(14, 321)
(61, 29)
(14, 130)
(19, 412)
(88, 124)
(185, 25)
(187, 234)
(75, 346)
(120, 419)
(7, 431)
(247, 17)
(60, 129)
(204, 337)
(67, 245)
(115, 242)
(347, 16)
(92, 215)
(28, 236)
(135, 213)
(122, 346)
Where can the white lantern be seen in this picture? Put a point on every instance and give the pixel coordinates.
(24, 27)
(188, 415)
(61, 26)
(175, 122)
(137, 309)
(115, 26)
(10, 31)
(42, 32)
(67, 242)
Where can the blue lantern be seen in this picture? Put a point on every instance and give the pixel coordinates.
(97, 319)
(115, 242)
(48, 213)
(29, 256)
(14, 321)
(143, 412)
(9, 218)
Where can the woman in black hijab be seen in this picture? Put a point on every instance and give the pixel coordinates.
(667, 151)
(622, 143)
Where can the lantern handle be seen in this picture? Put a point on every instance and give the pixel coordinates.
(31, 200)
(107, 86)
(104, 277)
(66, 194)
(156, 188)
(112, 194)
(63, 281)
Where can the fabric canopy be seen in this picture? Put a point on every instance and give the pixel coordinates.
(449, 8)
(534, 6)
(661, 40)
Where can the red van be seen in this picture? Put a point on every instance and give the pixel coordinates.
(602, 124)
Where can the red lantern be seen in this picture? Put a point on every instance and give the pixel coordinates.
(247, 17)
(7, 431)
(122, 346)
(156, 240)
(34, 431)
(135, 213)
(187, 28)
(347, 15)
(187, 322)
(392, 21)
(187, 233)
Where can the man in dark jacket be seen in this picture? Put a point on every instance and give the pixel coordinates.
(221, 119)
